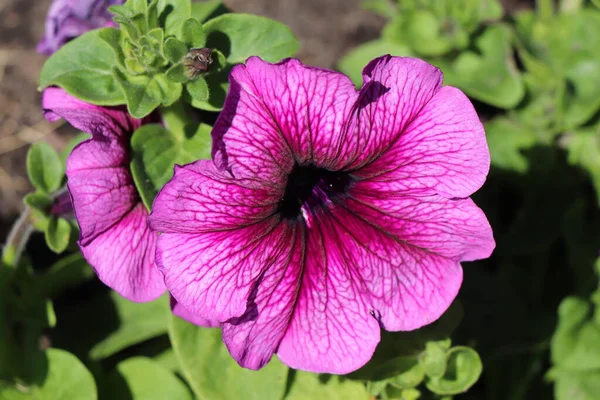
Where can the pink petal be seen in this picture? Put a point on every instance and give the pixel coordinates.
(182, 312)
(123, 257)
(100, 122)
(101, 186)
(407, 251)
(394, 92)
(278, 114)
(443, 148)
(332, 329)
(199, 198)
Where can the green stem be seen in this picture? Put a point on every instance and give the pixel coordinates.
(16, 241)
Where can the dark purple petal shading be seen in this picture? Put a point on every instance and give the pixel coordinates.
(280, 114)
(68, 19)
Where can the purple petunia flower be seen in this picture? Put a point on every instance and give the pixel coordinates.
(115, 238)
(327, 213)
(68, 19)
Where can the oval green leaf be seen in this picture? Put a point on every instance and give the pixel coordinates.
(44, 167)
(463, 370)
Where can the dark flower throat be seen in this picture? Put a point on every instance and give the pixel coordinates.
(312, 187)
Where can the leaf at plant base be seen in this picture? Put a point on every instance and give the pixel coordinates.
(192, 34)
(214, 374)
(176, 73)
(44, 167)
(66, 378)
(205, 10)
(139, 322)
(490, 76)
(83, 67)
(175, 50)
(39, 201)
(506, 139)
(112, 36)
(239, 36)
(464, 369)
(198, 89)
(422, 29)
(57, 234)
(434, 359)
(309, 386)
(353, 63)
(155, 150)
(143, 379)
(172, 14)
(169, 91)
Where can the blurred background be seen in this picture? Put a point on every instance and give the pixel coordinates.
(327, 29)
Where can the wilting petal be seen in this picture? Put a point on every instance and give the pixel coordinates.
(103, 123)
(181, 312)
(123, 257)
(276, 114)
(199, 198)
(332, 329)
(407, 252)
(443, 148)
(395, 91)
(68, 19)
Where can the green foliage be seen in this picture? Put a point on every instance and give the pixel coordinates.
(83, 67)
(214, 374)
(44, 168)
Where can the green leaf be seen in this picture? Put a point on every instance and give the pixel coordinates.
(112, 36)
(576, 343)
(57, 234)
(506, 140)
(192, 33)
(217, 88)
(309, 386)
(577, 385)
(144, 94)
(198, 89)
(464, 369)
(40, 201)
(214, 374)
(205, 10)
(155, 150)
(175, 50)
(142, 378)
(403, 372)
(177, 73)
(83, 67)
(584, 150)
(490, 76)
(44, 167)
(139, 322)
(172, 14)
(434, 359)
(423, 30)
(66, 378)
(352, 63)
(239, 36)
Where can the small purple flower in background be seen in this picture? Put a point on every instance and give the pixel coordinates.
(68, 19)
(327, 213)
(115, 238)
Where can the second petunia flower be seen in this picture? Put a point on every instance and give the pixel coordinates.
(327, 213)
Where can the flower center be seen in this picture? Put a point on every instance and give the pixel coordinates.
(309, 188)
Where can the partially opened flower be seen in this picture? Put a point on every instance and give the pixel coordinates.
(68, 19)
(328, 213)
(115, 237)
